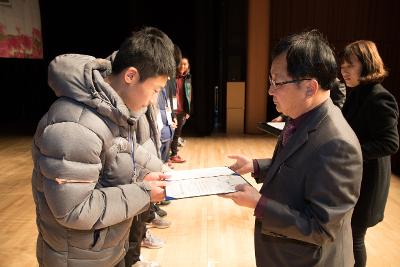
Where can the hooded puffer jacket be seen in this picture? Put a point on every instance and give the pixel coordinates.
(84, 182)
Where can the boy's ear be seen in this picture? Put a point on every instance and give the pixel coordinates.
(131, 75)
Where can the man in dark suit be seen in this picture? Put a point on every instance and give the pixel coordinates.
(312, 183)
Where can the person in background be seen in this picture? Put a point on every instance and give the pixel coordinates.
(373, 113)
(147, 138)
(166, 124)
(312, 183)
(338, 93)
(183, 105)
(166, 118)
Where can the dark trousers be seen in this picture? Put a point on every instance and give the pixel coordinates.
(136, 235)
(181, 120)
(360, 253)
(164, 150)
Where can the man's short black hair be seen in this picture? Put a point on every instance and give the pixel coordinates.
(308, 55)
(150, 51)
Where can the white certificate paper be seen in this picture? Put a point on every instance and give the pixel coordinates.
(277, 125)
(202, 182)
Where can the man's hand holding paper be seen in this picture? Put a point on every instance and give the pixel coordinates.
(246, 196)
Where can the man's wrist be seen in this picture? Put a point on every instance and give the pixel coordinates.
(256, 169)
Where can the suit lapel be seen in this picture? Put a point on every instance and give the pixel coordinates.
(297, 140)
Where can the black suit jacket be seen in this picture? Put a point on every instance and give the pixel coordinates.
(311, 188)
(373, 114)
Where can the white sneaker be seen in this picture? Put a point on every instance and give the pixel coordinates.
(181, 141)
(151, 241)
(159, 222)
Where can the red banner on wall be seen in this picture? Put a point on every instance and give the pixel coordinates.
(20, 29)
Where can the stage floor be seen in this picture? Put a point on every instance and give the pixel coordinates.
(205, 232)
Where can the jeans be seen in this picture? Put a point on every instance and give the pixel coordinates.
(164, 149)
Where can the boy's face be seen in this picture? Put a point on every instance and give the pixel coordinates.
(141, 93)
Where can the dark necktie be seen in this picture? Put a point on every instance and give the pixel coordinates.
(288, 131)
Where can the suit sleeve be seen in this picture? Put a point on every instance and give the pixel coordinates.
(263, 166)
(383, 136)
(70, 165)
(331, 191)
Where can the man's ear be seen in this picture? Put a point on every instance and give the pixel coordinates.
(312, 88)
(131, 75)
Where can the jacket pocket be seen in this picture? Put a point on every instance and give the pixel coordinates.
(88, 239)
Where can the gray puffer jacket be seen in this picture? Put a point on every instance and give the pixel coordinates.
(84, 184)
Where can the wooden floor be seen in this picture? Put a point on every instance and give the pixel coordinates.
(205, 232)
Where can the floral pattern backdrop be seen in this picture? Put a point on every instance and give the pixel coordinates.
(20, 29)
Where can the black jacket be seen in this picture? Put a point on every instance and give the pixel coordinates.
(373, 114)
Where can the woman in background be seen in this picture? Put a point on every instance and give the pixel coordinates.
(373, 114)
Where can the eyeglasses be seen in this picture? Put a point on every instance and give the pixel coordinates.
(276, 85)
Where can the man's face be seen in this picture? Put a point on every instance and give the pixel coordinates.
(289, 98)
(140, 94)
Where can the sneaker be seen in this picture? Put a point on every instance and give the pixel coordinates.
(159, 222)
(151, 241)
(181, 141)
(177, 159)
(146, 264)
(159, 211)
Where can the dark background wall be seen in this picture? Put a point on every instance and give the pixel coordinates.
(211, 33)
(203, 29)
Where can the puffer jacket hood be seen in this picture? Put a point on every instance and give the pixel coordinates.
(81, 78)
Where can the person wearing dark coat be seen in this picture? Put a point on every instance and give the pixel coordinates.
(338, 94)
(373, 113)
